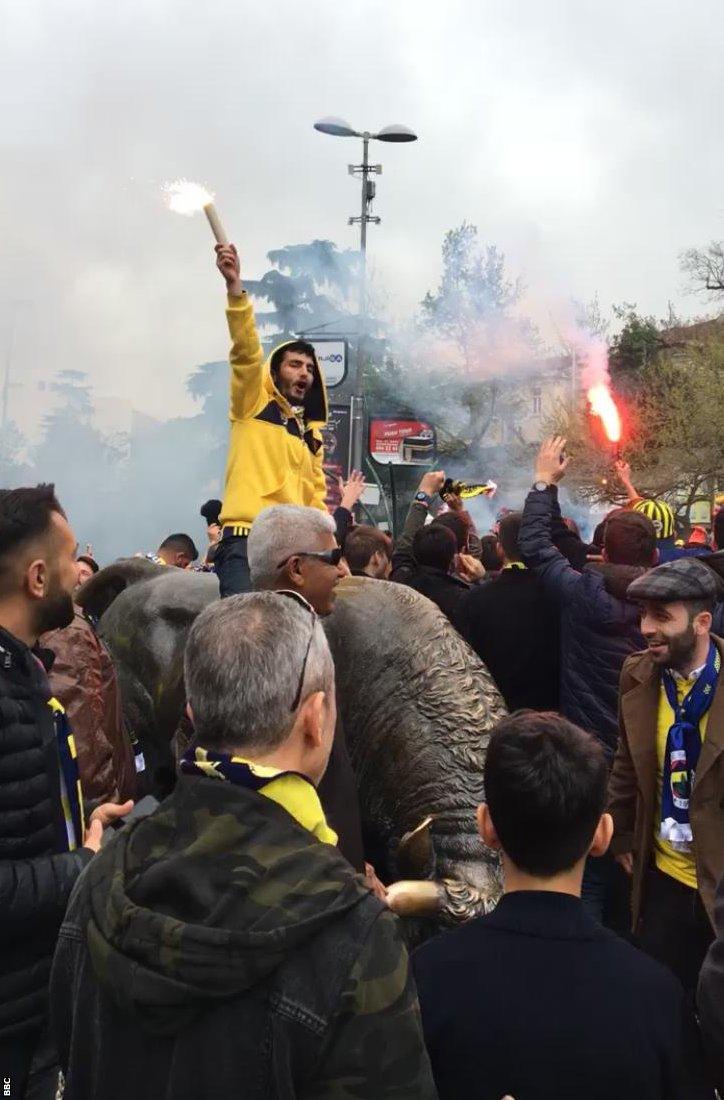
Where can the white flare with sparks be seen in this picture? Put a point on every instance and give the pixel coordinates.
(187, 198)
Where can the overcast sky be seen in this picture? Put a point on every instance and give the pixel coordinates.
(584, 139)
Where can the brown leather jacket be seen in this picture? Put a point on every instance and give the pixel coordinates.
(632, 787)
(84, 681)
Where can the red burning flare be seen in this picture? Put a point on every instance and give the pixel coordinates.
(603, 405)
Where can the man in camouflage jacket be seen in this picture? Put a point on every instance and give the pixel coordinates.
(222, 947)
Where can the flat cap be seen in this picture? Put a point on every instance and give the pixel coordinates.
(683, 579)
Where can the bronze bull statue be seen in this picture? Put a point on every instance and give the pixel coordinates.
(416, 703)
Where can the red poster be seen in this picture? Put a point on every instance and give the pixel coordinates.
(402, 442)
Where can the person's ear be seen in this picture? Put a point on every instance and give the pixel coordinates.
(36, 579)
(703, 623)
(189, 713)
(602, 836)
(486, 827)
(311, 721)
(294, 572)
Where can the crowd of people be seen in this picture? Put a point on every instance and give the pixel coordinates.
(235, 938)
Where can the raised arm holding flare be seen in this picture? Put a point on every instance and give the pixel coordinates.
(277, 409)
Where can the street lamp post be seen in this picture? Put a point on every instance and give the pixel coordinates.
(337, 127)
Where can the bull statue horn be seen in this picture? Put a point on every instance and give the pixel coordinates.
(449, 901)
(415, 856)
(415, 899)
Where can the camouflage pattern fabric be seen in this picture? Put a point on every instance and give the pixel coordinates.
(220, 902)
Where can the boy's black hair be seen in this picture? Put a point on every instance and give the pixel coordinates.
(89, 561)
(545, 786)
(181, 544)
(460, 523)
(435, 546)
(490, 553)
(629, 538)
(508, 532)
(362, 543)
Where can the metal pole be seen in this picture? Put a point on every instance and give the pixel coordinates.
(358, 396)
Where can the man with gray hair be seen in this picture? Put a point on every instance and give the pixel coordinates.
(294, 549)
(222, 945)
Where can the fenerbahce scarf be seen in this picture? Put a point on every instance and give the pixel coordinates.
(71, 796)
(291, 790)
(683, 746)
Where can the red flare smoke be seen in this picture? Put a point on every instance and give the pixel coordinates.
(603, 405)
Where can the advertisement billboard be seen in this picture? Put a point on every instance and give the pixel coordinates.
(336, 435)
(332, 358)
(401, 442)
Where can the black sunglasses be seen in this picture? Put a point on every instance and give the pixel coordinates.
(307, 607)
(329, 557)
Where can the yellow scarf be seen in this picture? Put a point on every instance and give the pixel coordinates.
(290, 790)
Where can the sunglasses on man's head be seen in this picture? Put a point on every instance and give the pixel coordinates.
(329, 557)
(299, 599)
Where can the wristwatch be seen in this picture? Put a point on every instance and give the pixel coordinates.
(423, 498)
(540, 486)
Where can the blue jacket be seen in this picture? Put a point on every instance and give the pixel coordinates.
(599, 628)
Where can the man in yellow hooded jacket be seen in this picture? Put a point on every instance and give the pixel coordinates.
(278, 407)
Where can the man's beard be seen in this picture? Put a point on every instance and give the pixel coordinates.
(680, 649)
(55, 611)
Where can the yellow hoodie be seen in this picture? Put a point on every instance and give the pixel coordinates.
(271, 460)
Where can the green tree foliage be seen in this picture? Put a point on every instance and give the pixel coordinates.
(671, 413)
(468, 343)
(634, 347)
(473, 290)
(308, 286)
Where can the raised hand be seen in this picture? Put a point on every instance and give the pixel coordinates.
(552, 461)
(227, 261)
(351, 489)
(470, 568)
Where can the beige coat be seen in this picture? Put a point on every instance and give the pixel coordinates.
(632, 787)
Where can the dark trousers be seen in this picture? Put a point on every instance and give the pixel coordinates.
(674, 927)
(232, 566)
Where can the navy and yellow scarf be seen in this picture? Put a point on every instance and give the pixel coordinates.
(290, 790)
(683, 747)
(71, 795)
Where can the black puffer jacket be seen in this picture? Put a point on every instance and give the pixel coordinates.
(37, 873)
(599, 628)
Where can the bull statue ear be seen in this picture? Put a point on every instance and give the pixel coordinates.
(100, 590)
(416, 854)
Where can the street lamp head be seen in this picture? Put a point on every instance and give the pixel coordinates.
(396, 132)
(335, 126)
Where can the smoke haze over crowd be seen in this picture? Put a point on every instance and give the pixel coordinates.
(561, 130)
